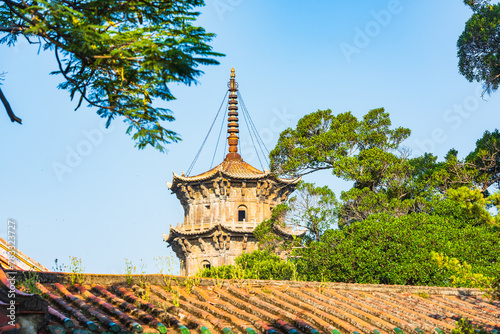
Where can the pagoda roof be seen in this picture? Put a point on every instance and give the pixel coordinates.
(233, 165)
(232, 168)
(180, 232)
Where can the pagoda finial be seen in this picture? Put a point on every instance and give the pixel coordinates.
(232, 127)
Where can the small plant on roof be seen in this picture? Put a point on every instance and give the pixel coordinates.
(76, 270)
(188, 284)
(295, 272)
(323, 285)
(423, 295)
(197, 280)
(175, 297)
(168, 283)
(465, 326)
(59, 267)
(146, 293)
(142, 280)
(165, 265)
(219, 282)
(238, 274)
(162, 315)
(129, 269)
(29, 282)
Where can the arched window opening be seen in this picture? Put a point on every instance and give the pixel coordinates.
(242, 213)
(206, 264)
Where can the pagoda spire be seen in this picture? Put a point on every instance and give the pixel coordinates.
(232, 127)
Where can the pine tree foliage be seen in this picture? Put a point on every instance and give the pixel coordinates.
(479, 45)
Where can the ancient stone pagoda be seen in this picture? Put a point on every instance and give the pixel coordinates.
(223, 206)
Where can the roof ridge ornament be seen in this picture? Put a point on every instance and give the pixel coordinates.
(232, 126)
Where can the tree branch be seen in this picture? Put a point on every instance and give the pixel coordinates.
(43, 34)
(111, 57)
(6, 104)
(76, 84)
(14, 4)
(12, 30)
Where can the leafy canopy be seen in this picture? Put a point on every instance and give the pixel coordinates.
(479, 45)
(340, 142)
(312, 208)
(485, 160)
(362, 151)
(117, 56)
(368, 152)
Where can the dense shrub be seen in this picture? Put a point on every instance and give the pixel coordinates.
(255, 265)
(464, 326)
(387, 250)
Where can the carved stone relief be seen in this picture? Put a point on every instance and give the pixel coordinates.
(244, 244)
(202, 244)
(184, 243)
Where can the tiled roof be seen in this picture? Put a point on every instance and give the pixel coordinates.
(21, 260)
(106, 303)
(234, 168)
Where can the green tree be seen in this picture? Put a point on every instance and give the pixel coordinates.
(341, 143)
(451, 173)
(266, 232)
(365, 153)
(312, 208)
(460, 274)
(479, 45)
(476, 204)
(413, 221)
(116, 56)
(478, 172)
(355, 150)
(485, 160)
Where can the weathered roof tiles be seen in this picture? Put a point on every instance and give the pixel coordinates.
(187, 305)
(236, 169)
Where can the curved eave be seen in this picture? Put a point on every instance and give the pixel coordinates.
(209, 174)
(289, 233)
(206, 176)
(174, 232)
(286, 181)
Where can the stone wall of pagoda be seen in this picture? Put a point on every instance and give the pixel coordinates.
(214, 249)
(220, 199)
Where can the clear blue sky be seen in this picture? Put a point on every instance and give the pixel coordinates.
(291, 58)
